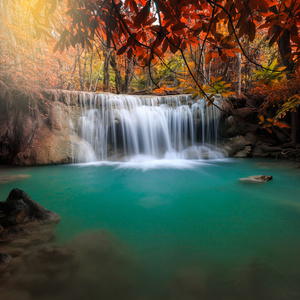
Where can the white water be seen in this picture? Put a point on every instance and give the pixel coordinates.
(145, 129)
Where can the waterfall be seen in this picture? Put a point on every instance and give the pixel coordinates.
(119, 127)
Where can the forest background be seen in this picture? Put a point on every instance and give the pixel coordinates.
(234, 48)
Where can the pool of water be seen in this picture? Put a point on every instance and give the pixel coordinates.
(193, 230)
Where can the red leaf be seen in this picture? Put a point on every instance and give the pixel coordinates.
(165, 45)
(164, 9)
(173, 48)
(122, 50)
(263, 5)
(142, 15)
(178, 26)
(251, 31)
(155, 28)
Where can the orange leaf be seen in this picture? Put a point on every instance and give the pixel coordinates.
(208, 57)
(281, 124)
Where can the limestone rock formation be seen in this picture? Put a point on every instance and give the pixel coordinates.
(40, 135)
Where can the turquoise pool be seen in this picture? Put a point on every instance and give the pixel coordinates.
(193, 230)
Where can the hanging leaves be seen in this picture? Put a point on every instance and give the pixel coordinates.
(142, 16)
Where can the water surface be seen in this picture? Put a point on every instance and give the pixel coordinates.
(192, 229)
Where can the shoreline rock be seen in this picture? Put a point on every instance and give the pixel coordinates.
(22, 218)
(19, 208)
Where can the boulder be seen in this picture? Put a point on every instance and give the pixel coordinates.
(257, 179)
(236, 144)
(229, 128)
(246, 113)
(19, 208)
(243, 153)
(251, 138)
(258, 152)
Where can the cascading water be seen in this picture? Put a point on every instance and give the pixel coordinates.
(122, 127)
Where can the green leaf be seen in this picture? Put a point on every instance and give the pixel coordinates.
(273, 64)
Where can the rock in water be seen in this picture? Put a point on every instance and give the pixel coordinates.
(19, 209)
(257, 179)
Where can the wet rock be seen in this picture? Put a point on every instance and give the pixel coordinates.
(246, 113)
(264, 149)
(257, 179)
(243, 153)
(4, 259)
(270, 149)
(287, 145)
(258, 152)
(236, 144)
(229, 128)
(251, 138)
(19, 208)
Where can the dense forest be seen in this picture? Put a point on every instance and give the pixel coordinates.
(233, 48)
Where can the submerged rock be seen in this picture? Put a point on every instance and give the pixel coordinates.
(19, 208)
(257, 178)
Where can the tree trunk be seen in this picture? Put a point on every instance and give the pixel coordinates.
(203, 66)
(107, 56)
(285, 50)
(239, 86)
(148, 80)
(129, 68)
(118, 78)
(79, 68)
(284, 47)
(91, 70)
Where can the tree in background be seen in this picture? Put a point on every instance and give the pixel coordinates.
(209, 46)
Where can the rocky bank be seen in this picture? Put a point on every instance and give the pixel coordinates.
(242, 135)
(39, 132)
